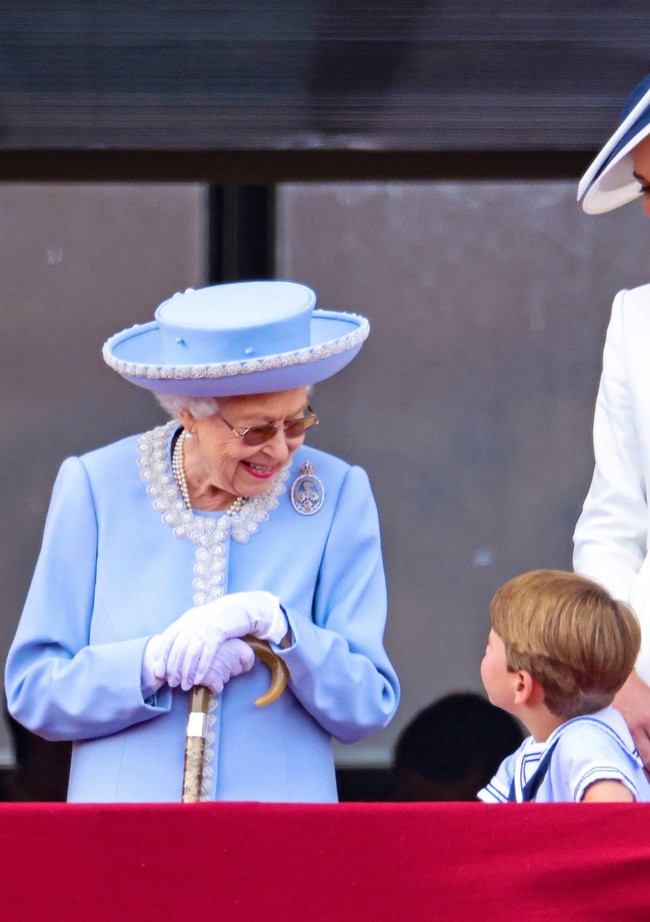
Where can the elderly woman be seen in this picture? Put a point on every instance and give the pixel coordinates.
(162, 551)
(612, 536)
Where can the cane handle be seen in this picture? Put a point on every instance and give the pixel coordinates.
(279, 671)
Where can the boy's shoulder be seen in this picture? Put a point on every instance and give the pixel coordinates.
(595, 747)
(605, 724)
(578, 753)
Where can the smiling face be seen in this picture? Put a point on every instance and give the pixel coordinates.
(219, 467)
(641, 161)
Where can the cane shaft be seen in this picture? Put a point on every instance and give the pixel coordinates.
(197, 729)
(197, 721)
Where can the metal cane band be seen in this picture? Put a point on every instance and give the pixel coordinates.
(197, 724)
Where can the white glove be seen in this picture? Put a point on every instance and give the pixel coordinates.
(233, 658)
(189, 645)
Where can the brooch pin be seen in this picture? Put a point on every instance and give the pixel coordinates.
(307, 490)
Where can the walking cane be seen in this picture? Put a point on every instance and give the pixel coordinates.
(197, 721)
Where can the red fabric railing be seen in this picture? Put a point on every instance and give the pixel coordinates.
(392, 862)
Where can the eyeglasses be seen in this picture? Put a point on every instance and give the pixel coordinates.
(258, 435)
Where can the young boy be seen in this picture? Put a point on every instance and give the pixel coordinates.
(559, 649)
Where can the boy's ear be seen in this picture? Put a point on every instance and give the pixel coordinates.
(525, 687)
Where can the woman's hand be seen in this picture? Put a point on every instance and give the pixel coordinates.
(233, 658)
(186, 650)
(633, 701)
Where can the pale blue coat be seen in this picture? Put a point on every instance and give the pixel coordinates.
(111, 573)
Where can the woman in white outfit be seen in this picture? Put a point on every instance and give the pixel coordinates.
(611, 537)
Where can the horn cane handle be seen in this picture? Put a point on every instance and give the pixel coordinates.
(279, 671)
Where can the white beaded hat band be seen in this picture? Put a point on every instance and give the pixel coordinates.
(238, 338)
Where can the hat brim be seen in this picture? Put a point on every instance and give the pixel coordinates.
(335, 338)
(609, 182)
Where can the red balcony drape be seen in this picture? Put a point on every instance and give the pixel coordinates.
(392, 862)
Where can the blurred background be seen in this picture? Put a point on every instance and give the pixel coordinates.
(416, 162)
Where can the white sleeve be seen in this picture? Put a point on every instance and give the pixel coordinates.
(611, 534)
(590, 753)
(497, 790)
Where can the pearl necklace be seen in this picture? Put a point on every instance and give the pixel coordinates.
(178, 469)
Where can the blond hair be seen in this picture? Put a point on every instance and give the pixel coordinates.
(570, 635)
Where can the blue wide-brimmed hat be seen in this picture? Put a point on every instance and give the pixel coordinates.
(609, 182)
(238, 338)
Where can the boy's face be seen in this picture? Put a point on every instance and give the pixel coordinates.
(497, 680)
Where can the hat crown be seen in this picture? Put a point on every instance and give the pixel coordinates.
(237, 338)
(234, 322)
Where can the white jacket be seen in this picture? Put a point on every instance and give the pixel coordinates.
(611, 537)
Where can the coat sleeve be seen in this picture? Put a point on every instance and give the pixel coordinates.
(58, 684)
(611, 534)
(340, 671)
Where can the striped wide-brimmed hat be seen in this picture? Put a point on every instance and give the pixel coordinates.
(238, 338)
(609, 182)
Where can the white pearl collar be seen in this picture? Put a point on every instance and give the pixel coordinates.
(155, 470)
(178, 468)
